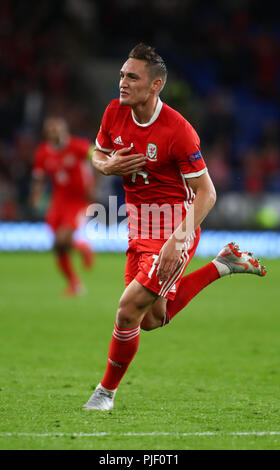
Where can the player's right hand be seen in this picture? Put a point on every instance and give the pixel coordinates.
(168, 259)
(122, 164)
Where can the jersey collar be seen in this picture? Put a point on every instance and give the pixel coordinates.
(154, 116)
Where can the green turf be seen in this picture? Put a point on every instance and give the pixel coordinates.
(214, 368)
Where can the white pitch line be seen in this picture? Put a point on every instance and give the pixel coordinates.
(135, 434)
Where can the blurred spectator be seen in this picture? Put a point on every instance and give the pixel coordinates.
(266, 62)
(217, 156)
(254, 177)
(218, 121)
(270, 156)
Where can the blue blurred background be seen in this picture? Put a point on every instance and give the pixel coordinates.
(63, 58)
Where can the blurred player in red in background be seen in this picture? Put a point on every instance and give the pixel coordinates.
(64, 158)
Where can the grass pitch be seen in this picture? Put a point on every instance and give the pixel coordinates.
(208, 380)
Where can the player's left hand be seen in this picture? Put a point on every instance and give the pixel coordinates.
(169, 258)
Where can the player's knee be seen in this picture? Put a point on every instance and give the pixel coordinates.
(129, 312)
(126, 315)
(62, 244)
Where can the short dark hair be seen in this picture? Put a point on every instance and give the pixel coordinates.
(155, 63)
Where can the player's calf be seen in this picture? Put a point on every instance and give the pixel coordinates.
(156, 317)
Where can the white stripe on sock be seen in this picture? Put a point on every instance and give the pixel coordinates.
(126, 335)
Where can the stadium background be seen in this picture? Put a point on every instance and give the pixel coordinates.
(63, 58)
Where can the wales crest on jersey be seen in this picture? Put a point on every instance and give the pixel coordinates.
(151, 151)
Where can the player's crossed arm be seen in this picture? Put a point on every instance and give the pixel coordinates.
(118, 163)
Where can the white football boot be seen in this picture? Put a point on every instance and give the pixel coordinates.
(101, 399)
(236, 261)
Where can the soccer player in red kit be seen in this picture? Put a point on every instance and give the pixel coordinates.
(168, 194)
(64, 158)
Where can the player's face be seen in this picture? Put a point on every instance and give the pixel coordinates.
(135, 83)
(55, 130)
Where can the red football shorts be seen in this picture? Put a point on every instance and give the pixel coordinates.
(140, 265)
(66, 215)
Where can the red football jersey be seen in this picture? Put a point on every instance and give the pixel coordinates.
(172, 149)
(67, 167)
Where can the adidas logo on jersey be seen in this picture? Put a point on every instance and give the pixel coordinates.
(118, 140)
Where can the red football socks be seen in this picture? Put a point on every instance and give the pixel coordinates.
(64, 263)
(80, 245)
(84, 249)
(189, 287)
(123, 347)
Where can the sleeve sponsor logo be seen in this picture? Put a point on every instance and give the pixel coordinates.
(195, 156)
